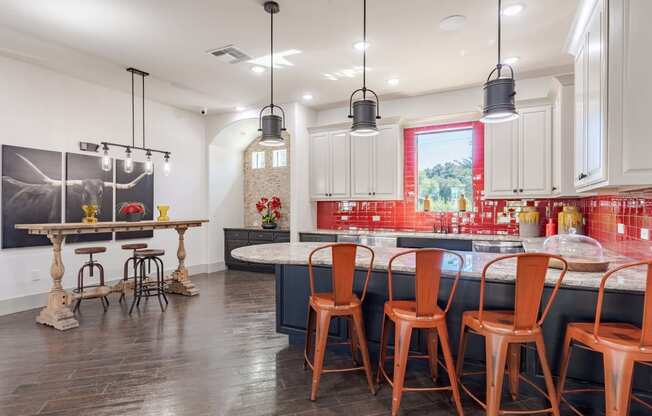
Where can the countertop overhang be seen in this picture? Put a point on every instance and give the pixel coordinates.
(297, 254)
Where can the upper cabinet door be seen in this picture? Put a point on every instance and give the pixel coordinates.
(501, 160)
(535, 147)
(386, 155)
(580, 114)
(362, 158)
(340, 164)
(320, 166)
(595, 90)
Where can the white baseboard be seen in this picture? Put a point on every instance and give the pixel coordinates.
(38, 300)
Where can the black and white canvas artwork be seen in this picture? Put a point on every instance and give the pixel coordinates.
(31, 193)
(134, 187)
(88, 184)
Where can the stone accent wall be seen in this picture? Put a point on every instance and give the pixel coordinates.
(268, 181)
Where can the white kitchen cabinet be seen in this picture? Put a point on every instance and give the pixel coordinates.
(613, 94)
(344, 167)
(518, 155)
(329, 165)
(377, 165)
(501, 160)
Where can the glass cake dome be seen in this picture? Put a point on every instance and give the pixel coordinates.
(574, 246)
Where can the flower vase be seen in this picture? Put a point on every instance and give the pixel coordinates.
(269, 225)
(163, 212)
(90, 212)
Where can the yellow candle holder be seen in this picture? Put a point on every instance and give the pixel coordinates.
(163, 212)
(90, 212)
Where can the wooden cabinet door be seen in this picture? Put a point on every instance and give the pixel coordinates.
(580, 113)
(535, 152)
(595, 90)
(320, 149)
(501, 160)
(362, 158)
(340, 162)
(386, 159)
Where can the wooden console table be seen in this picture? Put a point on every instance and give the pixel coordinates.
(56, 313)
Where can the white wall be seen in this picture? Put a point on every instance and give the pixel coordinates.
(304, 211)
(43, 109)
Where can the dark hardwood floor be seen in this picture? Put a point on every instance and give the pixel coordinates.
(215, 354)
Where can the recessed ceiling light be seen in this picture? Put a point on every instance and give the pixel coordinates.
(511, 60)
(240, 108)
(361, 46)
(393, 81)
(452, 23)
(307, 96)
(513, 9)
(257, 69)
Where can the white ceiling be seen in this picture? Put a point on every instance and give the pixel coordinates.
(170, 38)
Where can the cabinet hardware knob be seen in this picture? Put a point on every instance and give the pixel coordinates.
(520, 190)
(554, 188)
(515, 190)
(373, 193)
(582, 176)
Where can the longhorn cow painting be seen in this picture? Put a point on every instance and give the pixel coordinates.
(142, 191)
(31, 193)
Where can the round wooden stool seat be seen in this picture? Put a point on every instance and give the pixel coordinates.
(90, 250)
(134, 246)
(150, 252)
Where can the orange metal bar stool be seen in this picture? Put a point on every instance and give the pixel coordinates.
(421, 313)
(621, 346)
(341, 302)
(506, 331)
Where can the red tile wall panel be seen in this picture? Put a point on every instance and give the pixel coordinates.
(602, 214)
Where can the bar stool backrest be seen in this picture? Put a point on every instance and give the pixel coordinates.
(427, 278)
(531, 270)
(646, 330)
(343, 270)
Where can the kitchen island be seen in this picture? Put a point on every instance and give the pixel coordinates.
(575, 301)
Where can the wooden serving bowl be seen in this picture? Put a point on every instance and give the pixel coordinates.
(580, 265)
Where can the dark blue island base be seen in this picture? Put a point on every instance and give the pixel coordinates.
(571, 305)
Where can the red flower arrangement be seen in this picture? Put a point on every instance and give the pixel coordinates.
(270, 209)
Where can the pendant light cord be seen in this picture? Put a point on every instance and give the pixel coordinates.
(133, 117)
(143, 109)
(364, 49)
(500, 65)
(271, 57)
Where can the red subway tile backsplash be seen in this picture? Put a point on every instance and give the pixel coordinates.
(602, 214)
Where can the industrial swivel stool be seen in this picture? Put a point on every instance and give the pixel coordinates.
(91, 291)
(131, 260)
(340, 302)
(621, 345)
(505, 331)
(421, 313)
(144, 286)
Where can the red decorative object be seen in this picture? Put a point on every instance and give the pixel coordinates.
(602, 213)
(270, 210)
(132, 208)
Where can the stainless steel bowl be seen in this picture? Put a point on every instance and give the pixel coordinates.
(503, 247)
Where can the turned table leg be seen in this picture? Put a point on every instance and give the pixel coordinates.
(180, 283)
(57, 313)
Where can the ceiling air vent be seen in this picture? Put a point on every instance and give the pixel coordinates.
(230, 54)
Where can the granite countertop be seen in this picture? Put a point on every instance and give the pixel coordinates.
(420, 234)
(297, 254)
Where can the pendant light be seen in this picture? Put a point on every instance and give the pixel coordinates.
(128, 165)
(106, 159)
(499, 92)
(364, 111)
(271, 125)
